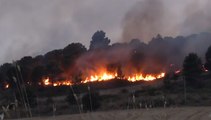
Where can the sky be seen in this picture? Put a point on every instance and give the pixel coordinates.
(34, 27)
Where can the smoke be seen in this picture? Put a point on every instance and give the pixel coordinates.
(168, 18)
(123, 59)
(144, 20)
(29, 28)
(36, 27)
(197, 17)
(110, 59)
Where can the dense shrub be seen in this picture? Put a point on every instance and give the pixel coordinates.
(91, 101)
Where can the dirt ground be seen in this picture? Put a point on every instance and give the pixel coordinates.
(186, 113)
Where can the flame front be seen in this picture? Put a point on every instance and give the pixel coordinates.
(98, 78)
(7, 86)
(46, 82)
(103, 76)
(148, 77)
(131, 78)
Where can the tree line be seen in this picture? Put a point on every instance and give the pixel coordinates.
(154, 56)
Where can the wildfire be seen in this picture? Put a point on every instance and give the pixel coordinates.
(7, 86)
(62, 83)
(103, 77)
(46, 82)
(148, 77)
(133, 78)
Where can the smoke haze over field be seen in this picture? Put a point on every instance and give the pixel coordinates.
(30, 27)
(147, 18)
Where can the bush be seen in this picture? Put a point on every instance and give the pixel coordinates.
(93, 104)
(49, 101)
(71, 99)
(31, 97)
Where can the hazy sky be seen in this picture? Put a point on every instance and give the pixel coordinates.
(32, 27)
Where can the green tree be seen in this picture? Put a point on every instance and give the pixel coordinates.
(93, 104)
(166, 82)
(37, 74)
(208, 59)
(192, 66)
(71, 53)
(71, 99)
(26, 65)
(99, 40)
(4, 74)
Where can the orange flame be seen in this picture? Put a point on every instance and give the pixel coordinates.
(133, 78)
(7, 86)
(62, 83)
(103, 77)
(148, 77)
(47, 82)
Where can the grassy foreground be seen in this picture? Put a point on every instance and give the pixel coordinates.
(184, 113)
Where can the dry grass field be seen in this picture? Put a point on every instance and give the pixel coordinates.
(185, 113)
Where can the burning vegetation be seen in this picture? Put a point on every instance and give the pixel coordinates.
(100, 78)
(133, 61)
(48, 82)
